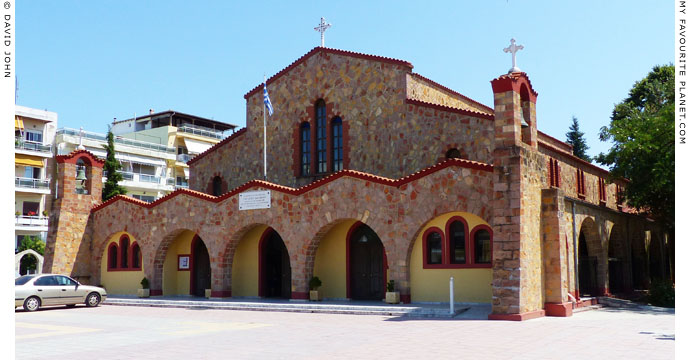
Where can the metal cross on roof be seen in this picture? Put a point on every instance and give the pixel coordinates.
(513, 49)
(323, 26)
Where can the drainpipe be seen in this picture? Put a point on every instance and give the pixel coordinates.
(577, 270)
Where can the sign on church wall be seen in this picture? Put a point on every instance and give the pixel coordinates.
(251, 200)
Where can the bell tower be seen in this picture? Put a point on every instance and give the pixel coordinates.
(516, 281)
(79, 187)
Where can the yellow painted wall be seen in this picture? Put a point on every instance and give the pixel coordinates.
(177, 282)
(120, 282)
(431, 285)
(245, 264)
(330, 262)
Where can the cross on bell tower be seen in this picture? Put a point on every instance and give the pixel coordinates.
(323, 26)
(513, 49)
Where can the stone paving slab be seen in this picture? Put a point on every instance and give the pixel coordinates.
(328, 307)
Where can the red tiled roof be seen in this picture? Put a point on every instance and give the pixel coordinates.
(298, 191)
(449, 109)
(216, 146)
(62, 158)
(329, 51)
(486, 108)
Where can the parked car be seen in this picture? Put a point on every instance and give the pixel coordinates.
(34, 291)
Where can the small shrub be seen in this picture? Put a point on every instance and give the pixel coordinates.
(314, 283)
(390, 287)
(144, 283)
(662, 293)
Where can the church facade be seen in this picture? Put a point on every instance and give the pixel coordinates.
(374, 173)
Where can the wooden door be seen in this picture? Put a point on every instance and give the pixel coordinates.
(201, 269)
(366, 265)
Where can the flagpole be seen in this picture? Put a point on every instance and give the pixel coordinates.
(264, 107)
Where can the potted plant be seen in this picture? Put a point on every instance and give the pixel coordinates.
(207, 293)
(314, 284)
(144, 292)
(392, 296)
(17, 213)
(45, 213)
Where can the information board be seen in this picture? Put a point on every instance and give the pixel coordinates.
(252, 200)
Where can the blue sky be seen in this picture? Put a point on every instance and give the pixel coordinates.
(91, 61)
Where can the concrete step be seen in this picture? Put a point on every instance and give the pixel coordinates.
(297, 306)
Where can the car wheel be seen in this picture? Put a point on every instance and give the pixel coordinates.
(32, 304)
(93, 299)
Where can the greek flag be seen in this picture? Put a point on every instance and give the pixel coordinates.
(267, 101)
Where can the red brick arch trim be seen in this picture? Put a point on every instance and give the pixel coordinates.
(299, 191)
(425, 249)
(514, 82)
(491, 245)
(72, 158)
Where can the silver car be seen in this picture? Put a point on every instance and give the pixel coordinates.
(34, 291)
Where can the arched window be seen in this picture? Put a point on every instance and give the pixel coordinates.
(124, 249)
(81, 177)
(434, 247)
(453, 154)
(217, 184)
(526, 119)
(321, 138)
(337, 126)
(112, 256)
(136, 256)
(305, 149)
(482, 245)
(458, 248)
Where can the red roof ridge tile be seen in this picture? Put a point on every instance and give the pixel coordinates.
(219, 144)
(553, 138)
(515, 77)
(450, 109)
(488, 109)
(331, 51)
(301, 190)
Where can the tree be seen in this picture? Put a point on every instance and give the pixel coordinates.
(34, 243)
(576, 139)
(641, 130)
(111, 167)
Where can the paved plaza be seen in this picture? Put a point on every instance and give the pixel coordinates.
(129, 332)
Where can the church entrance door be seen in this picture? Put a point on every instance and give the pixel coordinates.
(275, 268)
(201, 268)
(366, 265)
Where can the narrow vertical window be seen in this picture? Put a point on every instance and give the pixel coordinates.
(482, 247)
(557, 173)
(337, 126)
(551, 173)
(217, 184)
(456, 231)
(124, 249)
(112, 256)
(321, 138)
(305, 148)
(602, 190)
(434, 248)
(136, 256)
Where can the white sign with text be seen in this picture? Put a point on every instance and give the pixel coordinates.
(252, 200)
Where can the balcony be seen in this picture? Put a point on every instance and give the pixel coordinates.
(184, 157)
(31, 223)
(118, 140)
(22, 144)
(41, 186)
(201, 131)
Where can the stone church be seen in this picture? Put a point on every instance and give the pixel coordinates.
(374, 173)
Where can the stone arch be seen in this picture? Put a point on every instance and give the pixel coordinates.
(591, 259)
(441, 273)
(18, 259)
(159, 256)
(100, 243)
(619, 264)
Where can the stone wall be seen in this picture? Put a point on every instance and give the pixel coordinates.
(382, 134)
(395, 209)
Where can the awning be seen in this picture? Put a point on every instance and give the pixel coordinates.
(196, 146)
(139, 159)
(186, 173)
(28, 160)
(18, 123)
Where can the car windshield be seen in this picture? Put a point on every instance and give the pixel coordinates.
(23, 279)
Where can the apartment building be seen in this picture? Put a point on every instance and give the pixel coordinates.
(33, 169)
(153, 149)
